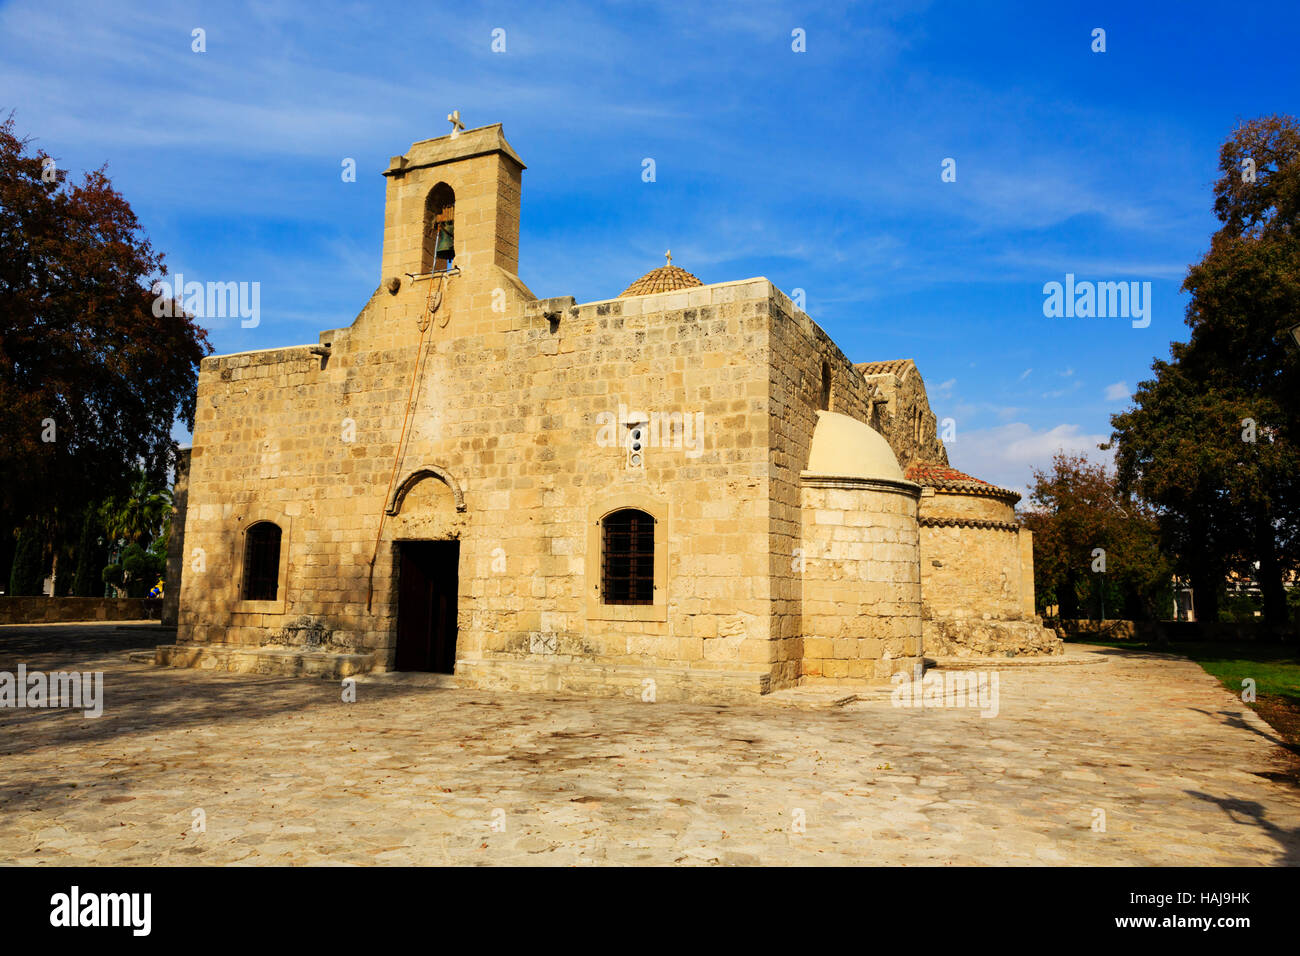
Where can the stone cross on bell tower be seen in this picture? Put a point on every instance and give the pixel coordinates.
(456, 125)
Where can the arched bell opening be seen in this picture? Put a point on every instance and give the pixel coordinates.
(439, 248)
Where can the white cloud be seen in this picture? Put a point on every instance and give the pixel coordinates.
(1025, 374)
(1061, 392)
(1007, 454)
(1055, 265)
(1117, 392)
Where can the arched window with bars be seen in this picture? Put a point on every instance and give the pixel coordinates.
(627, 558)
(261, 562)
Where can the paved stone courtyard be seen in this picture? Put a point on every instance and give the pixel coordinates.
(284, 772)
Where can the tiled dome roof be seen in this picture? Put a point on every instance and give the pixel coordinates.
(950, 479)
(663, 279)
(927, 473)
(895, 367)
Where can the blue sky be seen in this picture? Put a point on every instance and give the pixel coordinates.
(820, 169)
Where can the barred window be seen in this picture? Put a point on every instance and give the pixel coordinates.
(262, 562)
(628, 558)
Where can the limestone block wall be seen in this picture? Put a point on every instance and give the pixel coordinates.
(906, 420)
(862, 582)
(976, 505)
(798, 349)
(970, 557)
(511, 406)
(39, 609)
(969, 572)
(695, 354)
(1027, 605)
(176, 540)
(977, 583)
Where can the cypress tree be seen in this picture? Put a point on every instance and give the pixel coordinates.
(25, 576)
(89, 562)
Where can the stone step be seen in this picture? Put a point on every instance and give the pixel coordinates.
(411, 679)
(996, 663)
(269, 661)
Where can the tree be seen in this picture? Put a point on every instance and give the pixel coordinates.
(137, 571)
(1214, 438)
(1092, 540)
(1258, 191)
(139, 516)
(91, 379)
(27, 574)
(90, 557)
(1181, 449)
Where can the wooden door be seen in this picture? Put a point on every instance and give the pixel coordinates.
(426, 605)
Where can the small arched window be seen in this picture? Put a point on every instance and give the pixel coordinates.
(261, 562)
(439, 220)
(628, 558)
(826, 387)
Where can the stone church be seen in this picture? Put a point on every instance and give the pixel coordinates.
(688, 484)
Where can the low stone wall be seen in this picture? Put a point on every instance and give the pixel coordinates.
(1117, 630)
(1104, 630)
(267, 661)
(972, 637)
(655, 683)
(48, 610)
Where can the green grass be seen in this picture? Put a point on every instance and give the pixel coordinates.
(1274, 667)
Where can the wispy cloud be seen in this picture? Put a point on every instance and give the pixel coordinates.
(820, 170)
(1007, 454)
(943, 389)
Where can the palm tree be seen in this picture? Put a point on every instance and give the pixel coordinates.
(138, 517)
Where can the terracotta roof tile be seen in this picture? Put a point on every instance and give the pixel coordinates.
(944, 477)
(663, 279)
(926, 473)
(892, 367)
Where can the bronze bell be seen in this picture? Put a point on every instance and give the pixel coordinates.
(444, 249)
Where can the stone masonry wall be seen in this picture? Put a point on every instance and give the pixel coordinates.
(176, 540)
(971, 573)
(976, 586)
(968, 570)
(40, 609)
(798, 349)
(906, 420)
(509, 408)
(861, 585)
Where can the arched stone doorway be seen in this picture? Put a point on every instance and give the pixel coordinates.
(426, 518)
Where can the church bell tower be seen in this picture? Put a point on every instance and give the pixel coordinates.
(452, 205)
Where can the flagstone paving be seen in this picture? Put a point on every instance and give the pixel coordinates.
(284, 772)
